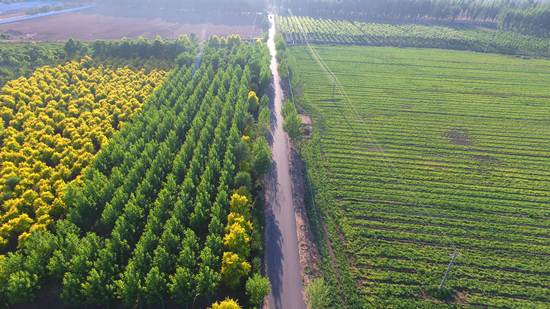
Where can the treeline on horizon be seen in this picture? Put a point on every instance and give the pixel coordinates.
(527, 17)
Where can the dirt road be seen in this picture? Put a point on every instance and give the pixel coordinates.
(282, 255)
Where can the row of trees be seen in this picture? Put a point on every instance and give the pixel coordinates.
(148, 221)
(533, 20)
(525, 16)
(128, 48)
(292, 123)
(44, 9)
(20, 59)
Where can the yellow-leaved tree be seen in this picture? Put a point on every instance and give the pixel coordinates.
(236, 241)
(54, 123)
(226, 304)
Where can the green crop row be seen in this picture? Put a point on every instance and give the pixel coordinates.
(464, 166)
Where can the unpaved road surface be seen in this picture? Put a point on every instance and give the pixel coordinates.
(282, 254)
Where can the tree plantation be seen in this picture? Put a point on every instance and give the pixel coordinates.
(54, 122)
(161, 209)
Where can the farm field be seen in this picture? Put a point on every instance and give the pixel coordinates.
(465, 166)
(114, 23)
(323, 30)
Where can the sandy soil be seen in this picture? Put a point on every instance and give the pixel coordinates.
(114, 23)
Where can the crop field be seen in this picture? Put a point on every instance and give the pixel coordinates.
(321, 30)
(115, 23)
(465, 166)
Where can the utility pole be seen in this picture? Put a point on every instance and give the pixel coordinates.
(333, 88)
(98, 23)
(448, 270)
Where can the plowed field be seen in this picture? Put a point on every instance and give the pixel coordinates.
(110, 23)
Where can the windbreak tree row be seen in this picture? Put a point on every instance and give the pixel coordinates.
(348, 31)
(146, 224)
(528, 17)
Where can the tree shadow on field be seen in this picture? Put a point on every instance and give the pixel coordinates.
(181, 17)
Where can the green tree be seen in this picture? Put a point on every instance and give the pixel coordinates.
(317, 294)
(262, 125)
(208, 281)
(185, 59)
(23, 287)
(280, 45)
(293, 125)
(155, 287)
(257, 288)
(182, 286)
(190, 250)
(194, 38)
(282, 69)
(243, 179)
(9, 265)
(213, 41)
(288, 108)
(129, 286)
(95, 288)
(72, 47)
(264, 101)
(262, 157)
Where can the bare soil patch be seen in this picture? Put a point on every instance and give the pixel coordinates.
(458, 136)
(114, 23)
(306, 124)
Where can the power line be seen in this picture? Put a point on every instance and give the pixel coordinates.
(393, 170)
(366, 131)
